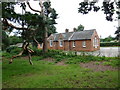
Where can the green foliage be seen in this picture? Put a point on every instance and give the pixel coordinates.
(113, 63)
(107, 39)
(80, 28)
(37, 51)
(97, 63)
(35, 22)
(117, 32)
(15, 39)
(7, 55)
(107, 44)
(12, 49)
(108, 7)
(5, 40)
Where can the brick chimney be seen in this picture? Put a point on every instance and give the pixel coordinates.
(66, 30)
(74, 30)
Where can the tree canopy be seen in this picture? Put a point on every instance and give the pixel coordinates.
(80, 28)
(108, 7)
(31, 26)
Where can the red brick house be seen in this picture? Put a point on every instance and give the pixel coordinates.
(87, 40)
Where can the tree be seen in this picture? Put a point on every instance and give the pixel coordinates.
(31, 24)
(117, 32)
(5, 40)
(108, 39)
(108, 7)
(80, 28)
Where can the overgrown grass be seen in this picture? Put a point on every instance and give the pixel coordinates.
(69, 58)
(47, 75)
(44, 74)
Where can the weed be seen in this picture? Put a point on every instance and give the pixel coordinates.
(97, 63)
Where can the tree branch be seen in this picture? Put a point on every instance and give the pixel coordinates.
(32, 8)
(4, 21)
(36, 40)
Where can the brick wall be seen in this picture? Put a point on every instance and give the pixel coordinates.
(92, 38)
(66, 45)
(79, 45)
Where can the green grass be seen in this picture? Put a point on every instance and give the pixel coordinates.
(44, 74)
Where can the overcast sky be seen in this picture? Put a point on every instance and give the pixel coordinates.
(68, 17)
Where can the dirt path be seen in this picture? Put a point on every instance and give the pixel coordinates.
(61, 63)
(98, 67)
(49, 59)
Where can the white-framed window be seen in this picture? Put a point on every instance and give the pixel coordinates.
(84, 44)
(41, 45)
(61, 43)
(73, 43)
(51, 43)
(95, 42)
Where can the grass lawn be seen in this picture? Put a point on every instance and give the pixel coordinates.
(45, 74)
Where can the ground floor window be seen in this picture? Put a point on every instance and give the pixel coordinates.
(51, 43)
(84, 44)
(95, 42)
(61, 43)
(41, 45)
(73, 43)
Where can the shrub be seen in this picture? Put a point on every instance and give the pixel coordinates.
(6, 54)
(9, 49)
(37, 51)
(13, 50)
(106, 44)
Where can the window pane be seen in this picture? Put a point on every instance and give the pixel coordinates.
(73, 43)
(51, 42)
(84, 44)
(61, 43)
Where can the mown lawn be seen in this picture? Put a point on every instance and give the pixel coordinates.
(45, 74)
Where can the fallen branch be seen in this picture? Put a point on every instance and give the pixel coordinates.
(11, 60)
(25, 49)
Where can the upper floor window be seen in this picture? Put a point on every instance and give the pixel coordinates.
(51, 43)
(73, 43)
(61, 43)
(84, 44)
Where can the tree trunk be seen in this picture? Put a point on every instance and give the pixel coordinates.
(45, 49)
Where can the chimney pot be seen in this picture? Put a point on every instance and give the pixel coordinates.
(74, 29)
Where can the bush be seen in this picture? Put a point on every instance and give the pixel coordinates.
(107, 44)
(37, 51)
(7, 55)
(13, 50)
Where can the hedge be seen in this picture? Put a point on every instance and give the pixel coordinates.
(104, 44)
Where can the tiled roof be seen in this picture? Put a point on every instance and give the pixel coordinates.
(80, 35)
